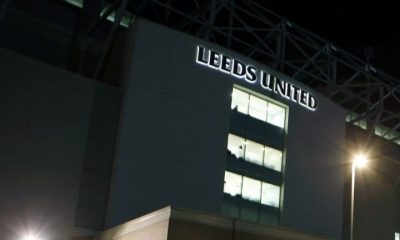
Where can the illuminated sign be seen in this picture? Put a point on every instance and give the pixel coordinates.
(251, 74)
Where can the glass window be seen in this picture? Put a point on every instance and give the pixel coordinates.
(240, 100)
(249, 213)
(254, 152)
(233, 184)
(362, 124)
(276, 115)
(236, 145)
(251, 189)
(258, 108)
(390, 135)
(273, 159)
(379, 130)
(396, 236)
(349, 116)
(270, 194)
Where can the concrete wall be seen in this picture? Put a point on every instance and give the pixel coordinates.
(173, 136)
(315, 167)
(171, 146)
(47, 117)
(181, 224)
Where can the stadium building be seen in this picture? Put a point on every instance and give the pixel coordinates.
(221, 120)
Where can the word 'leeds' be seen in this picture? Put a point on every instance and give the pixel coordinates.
(239, 69)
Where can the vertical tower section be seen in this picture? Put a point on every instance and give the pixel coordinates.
(253, 180)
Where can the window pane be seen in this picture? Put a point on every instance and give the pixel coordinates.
(379, 130)
(240, 100)
(270, 195)
(230, 208)
(251, 189)
(396, 236)
(254, 152)
(249, 212)
(276, 115)
(233, 184)
(273, 159)
(362, 124)
(236, 145)
(258, 108)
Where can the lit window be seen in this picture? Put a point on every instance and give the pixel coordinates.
(390, 135)
(397, 236)
(236, 145)
(379, 130)
(273, 159)
(276, 115)
(270, 195)
(240, 101)
(251, 189)
(254, 152)
(258, 108)
(233, 184)
(361, 124)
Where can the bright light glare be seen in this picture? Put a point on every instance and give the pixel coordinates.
(360, 160)
(30, 237)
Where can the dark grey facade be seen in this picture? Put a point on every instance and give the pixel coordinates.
(80, 156)
(57, 142)
(178, 112)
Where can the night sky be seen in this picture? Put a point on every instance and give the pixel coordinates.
(350, 27)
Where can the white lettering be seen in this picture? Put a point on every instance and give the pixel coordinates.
(251, 74)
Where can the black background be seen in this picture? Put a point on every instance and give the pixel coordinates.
(352, 27)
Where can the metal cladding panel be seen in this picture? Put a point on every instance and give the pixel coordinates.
(314, 173)
(45, 141)
(171, 147)
(173, 134)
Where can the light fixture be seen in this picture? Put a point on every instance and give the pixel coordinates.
(30, 237)
(360, 160)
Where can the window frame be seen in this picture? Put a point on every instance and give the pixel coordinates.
(265, 98)
(265, 149)
(260, 196)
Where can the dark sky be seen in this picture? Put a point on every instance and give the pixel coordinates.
(351, 27)
(365, 23)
